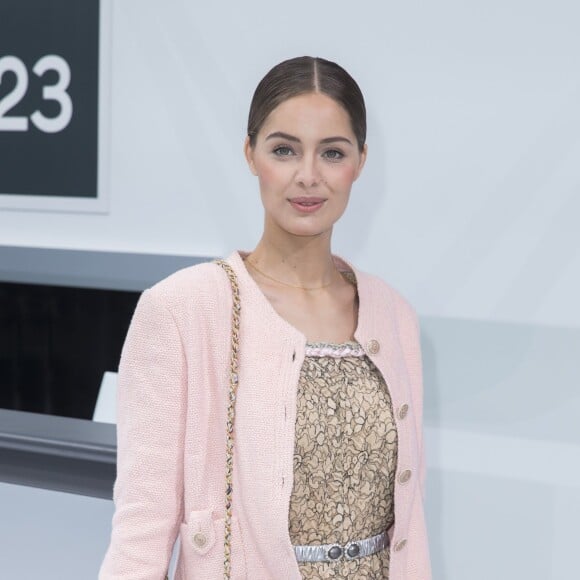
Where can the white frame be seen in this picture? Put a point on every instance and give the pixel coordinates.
(100, 204)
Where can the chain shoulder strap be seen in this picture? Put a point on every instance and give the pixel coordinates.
(231, 412)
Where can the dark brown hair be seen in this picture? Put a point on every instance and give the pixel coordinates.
(302, 75)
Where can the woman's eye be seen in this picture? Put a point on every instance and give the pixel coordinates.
(283, 151)
(333, 154)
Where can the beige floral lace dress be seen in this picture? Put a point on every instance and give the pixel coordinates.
(345, 459)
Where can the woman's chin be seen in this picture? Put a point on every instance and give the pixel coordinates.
(308, 232)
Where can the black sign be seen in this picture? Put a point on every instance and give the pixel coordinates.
(49, 97)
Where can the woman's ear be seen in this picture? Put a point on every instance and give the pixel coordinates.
(362, 161)
(249, 154)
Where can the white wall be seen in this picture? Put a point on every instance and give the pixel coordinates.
(471, 194)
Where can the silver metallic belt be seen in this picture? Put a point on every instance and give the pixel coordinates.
(350, 550)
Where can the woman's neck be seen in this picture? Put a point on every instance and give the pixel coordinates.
(306, 263)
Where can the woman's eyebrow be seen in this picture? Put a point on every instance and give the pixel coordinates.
(281, 135)
(335, 139)
(288, 137)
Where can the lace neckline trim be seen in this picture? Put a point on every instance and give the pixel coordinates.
(349, 348)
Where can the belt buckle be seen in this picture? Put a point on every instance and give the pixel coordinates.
(349, 551)
(352, 550)
(335, 552)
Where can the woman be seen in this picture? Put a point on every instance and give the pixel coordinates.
(328, 471)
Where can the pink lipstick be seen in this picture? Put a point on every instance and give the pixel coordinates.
(307, 204)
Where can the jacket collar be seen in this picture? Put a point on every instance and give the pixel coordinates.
(367, 313)
(377, 320)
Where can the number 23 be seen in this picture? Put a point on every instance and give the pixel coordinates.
(56, 92)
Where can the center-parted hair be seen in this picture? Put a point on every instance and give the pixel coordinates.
(303, 75)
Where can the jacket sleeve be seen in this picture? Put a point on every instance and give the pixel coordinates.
(151, 407)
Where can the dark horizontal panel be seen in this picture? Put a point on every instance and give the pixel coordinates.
(59, 453)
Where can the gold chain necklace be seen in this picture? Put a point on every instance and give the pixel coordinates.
(286, 283)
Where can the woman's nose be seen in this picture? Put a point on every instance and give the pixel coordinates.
(308, 174)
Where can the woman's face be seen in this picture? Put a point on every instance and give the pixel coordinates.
(306, 158)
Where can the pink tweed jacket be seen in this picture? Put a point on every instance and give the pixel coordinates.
(173, 381)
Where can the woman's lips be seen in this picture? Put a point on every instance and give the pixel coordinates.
(307, 204)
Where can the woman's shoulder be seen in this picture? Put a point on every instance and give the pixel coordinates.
(193, 284)
(378, 289)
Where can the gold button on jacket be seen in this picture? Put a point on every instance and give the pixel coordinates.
(405, 476)
(373, 346)
(403, 410)
(200, 540)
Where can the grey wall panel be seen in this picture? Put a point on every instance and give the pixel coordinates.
(52, 535)
(88, 269)
(502, 406)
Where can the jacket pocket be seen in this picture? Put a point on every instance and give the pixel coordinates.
(202, 547)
